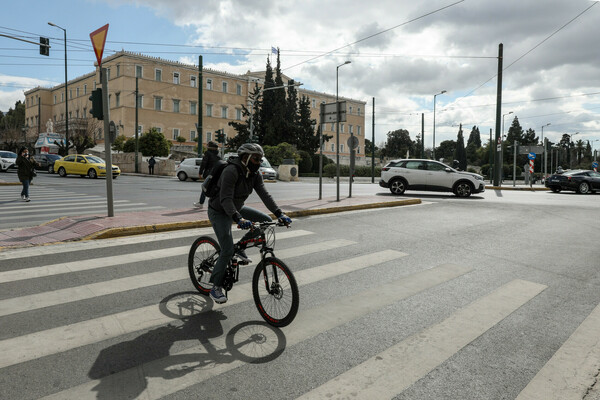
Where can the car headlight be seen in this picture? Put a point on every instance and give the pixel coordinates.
(99, 167)
(479, 177)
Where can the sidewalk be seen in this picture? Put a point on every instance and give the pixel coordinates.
(133, 223)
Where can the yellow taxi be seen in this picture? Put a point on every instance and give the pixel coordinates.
(78, 164)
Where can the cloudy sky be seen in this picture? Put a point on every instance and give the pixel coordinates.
(402, 53)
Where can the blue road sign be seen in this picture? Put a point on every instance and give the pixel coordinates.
(595, 164)
(531, 156)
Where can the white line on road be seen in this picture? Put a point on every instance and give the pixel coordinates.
(71, 208)
(148, 381)
(68, 295)
(52, 341)
(392, 371)
(573, 369)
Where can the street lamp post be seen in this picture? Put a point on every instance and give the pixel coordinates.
(434, 96)
(337, 127)
(66, 90)
(545, 148)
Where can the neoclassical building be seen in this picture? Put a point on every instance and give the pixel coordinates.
(168, 100)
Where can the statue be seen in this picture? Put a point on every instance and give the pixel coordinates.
(49, 126)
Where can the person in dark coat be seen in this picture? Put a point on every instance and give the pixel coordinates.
(209, 160)
(151, 163)
(25, 171)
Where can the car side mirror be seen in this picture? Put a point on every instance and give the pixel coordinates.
(448, 169)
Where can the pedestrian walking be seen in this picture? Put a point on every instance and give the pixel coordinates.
(209, 160)
(25, 171)
(151, 163)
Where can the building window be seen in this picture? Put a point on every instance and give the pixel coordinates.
(358, 150)
(350, 129)
(176, 78)
(95, 85)
(192, 81)
(238, 114)
(358, 111)
(62, 117)
(175, 133)
(76, 114)
(140, 101)
(62, 97)
(238, 89)
(342, 128)
(358, 130)
(341, 148)
(192, 136)
(157, 129)
(54, 99)
(158, 75)
(139, 71)
(314, 103)
(85, 89)
(70, 93)
(176, 106)
(224, 87)
(209, 110)
(158, 103)
(193, 107)
(84, 112)
(77, 92)
(108, 74)
(209, 84)
(350, 110)
(224, 112)
(118, 99)
(332, 146)
(332, 127)
(118, 70)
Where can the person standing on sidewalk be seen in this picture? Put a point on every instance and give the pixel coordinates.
(151, 163)
(209, 160)
(25, 171)
(238, 180)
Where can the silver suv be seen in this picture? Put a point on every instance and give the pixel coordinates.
(430, 175)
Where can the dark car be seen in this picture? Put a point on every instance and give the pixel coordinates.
(46, 161)
(580, 181)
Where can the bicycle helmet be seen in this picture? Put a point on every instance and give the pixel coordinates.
(250, 148)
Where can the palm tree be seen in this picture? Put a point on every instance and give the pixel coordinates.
(580, 148)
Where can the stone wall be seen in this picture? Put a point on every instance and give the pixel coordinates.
(126, 162)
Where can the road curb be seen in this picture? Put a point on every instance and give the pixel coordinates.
(173, 226)
(529, 189)
(10, 183)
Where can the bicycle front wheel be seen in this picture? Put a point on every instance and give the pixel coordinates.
(275, 292)
(201, 260)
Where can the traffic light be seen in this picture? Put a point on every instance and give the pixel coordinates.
(96, 98)
(220, 135)
(44, 46)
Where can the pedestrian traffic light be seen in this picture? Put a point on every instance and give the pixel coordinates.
(220, 135)
(44, 46)
(96, 98)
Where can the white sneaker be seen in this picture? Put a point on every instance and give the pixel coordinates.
(198, 205)
(27, 199)
(22, 197)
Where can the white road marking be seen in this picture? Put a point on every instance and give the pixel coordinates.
(52, 341)
(573, 369)
(392, 371)
(148, 381)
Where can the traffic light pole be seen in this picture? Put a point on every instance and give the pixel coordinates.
(107, 153)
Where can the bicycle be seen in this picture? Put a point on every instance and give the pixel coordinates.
(274, 287)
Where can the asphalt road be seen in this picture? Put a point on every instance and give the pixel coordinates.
(481, 298)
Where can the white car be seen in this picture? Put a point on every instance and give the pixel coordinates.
(8, 160)
(266, 170)
(430, 175)
(188, 168)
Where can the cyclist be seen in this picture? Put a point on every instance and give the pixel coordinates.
(236, 183)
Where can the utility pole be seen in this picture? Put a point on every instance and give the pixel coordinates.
(108, 155)
(373, 145)
(136, 125)
(498, 117)
(199, 109)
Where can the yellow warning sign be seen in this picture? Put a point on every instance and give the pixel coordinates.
(98, 38)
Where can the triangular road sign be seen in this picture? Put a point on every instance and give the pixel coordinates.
(98, 39)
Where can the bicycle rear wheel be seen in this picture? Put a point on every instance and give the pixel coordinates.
(203, 255)
(275, 292)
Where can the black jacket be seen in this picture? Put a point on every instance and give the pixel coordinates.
(236, 184)
(208, 162)
(25, 168)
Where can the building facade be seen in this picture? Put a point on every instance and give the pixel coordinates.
(168, 100)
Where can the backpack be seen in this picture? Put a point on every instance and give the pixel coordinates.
(210, 186)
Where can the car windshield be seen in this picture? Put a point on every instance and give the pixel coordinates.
(95, 160)
(265, 163)
(8, 154)
(53, 157)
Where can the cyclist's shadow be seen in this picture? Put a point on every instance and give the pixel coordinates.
(121, 367)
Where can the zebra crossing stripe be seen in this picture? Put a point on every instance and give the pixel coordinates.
(60, 248)
(47, 299)
(110, 261)
(52, 341)
(395, 369)
(70, 208)
(573, 369)
(148, 381)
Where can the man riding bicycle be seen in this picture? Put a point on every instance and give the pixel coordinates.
(236, 183)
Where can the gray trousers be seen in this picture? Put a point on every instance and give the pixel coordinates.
(221, 224)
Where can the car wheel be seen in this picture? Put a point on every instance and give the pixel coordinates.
(555, 189)
(463, 189)
(583, 188)
(51, 169)
(92, 173)
(397, 186)
(182, 176)
(62, 172)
